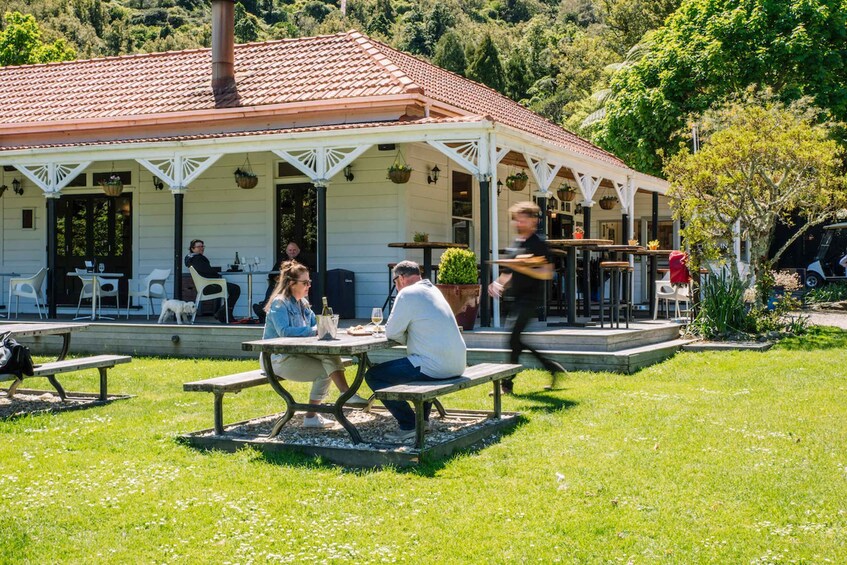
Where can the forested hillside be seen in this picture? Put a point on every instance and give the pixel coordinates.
(595, 66)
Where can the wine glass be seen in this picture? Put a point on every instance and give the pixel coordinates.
(376, 318)
(101, 267)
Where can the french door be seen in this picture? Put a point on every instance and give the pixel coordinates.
(92, 227)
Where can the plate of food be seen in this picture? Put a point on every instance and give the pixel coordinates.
(369, 329)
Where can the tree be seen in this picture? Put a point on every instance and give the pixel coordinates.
(246, 25)
(761, 161)
(450, 54)
(486, 66)
(20, 43)
(709, 50)
(518, 79)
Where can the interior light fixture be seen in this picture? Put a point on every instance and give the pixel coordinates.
(432, 177)
(348, 173)
(16, 186)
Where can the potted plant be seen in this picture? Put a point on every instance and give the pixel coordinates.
(653, 244)
(566, 194)
(420, 237)
(113, 185)
(458, 281)
(246, 178)
(578, 232)
(517, 182)
(608, 202)
(399, 173)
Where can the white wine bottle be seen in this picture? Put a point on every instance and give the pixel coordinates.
(327, 311)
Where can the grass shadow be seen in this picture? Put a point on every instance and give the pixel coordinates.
(818, 337)
(545, 402)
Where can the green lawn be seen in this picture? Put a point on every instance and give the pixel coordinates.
(729, 457)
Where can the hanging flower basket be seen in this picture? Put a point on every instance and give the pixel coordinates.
(608, 202)
(245, 177)
(566, 194)
(517, 182)
(112, 186)
(245, 180)
(399, 174)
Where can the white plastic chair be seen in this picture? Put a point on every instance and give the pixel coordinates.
(87, 291)
(202, 283)
(28, 287)
(667, 292)
(152, 286)
(109, 288)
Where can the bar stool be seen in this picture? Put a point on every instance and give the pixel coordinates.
(389, 300)
(620, 292)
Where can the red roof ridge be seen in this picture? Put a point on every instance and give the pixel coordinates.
(367, 45)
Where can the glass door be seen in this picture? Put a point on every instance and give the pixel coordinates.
(92, 227)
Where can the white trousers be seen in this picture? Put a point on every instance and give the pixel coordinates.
(314, 369)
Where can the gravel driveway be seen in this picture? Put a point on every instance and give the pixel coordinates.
(827, 318)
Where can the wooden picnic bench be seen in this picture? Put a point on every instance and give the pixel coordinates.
(418, 392)
(49, 371)
(220, 386)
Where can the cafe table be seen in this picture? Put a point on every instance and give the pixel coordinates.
(249, 273)
(427, 247)
(572, 246)
(344, 345)
(95, 290)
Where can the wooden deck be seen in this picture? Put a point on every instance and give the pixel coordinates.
(592, 348)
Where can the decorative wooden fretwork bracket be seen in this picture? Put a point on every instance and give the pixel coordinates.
(179, 171)
(542, 171)
(322, 163)
(51, 178)
(465, 153)
(588, 184)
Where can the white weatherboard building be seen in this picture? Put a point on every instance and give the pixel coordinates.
(319, 120)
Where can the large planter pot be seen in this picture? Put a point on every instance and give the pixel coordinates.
(112, 189)
(464, 301)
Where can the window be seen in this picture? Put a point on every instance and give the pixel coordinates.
(611, 230)
(665, 233)
(462, 208)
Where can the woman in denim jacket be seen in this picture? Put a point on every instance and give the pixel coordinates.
(289, 315)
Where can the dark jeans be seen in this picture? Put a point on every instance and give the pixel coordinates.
(233, 291)
(524, 310)
(398, 372)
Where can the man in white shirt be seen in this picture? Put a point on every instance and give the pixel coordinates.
(422, 319)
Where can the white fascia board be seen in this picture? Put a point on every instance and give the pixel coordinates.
(252, 143)
(649, 182)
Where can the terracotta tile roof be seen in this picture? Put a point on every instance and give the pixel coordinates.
(248, 133)
(276, 72)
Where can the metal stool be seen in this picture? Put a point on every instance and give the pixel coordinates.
(389, 300)
(620, 291)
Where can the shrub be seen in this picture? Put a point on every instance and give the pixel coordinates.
(722, 312)
(458, 266)
(828, 293)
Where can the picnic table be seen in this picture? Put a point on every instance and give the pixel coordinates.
(343, 345)
(61, 365)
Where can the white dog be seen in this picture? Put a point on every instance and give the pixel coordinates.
(180, 310)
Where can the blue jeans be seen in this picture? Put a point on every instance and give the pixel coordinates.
(398, 372)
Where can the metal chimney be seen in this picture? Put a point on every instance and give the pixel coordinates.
(223, 44)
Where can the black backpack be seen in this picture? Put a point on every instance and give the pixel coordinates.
(15, 359)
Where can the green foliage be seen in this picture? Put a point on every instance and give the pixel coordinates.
(711, 49)
(21, 44)
(450, 54)
(458, 266)
(246, 25)
(833, 292)
(761, 161)
(485, 65)
(722, 311)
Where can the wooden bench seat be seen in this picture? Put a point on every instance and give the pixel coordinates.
(220, 386)
(418, 392)
(49, 371)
